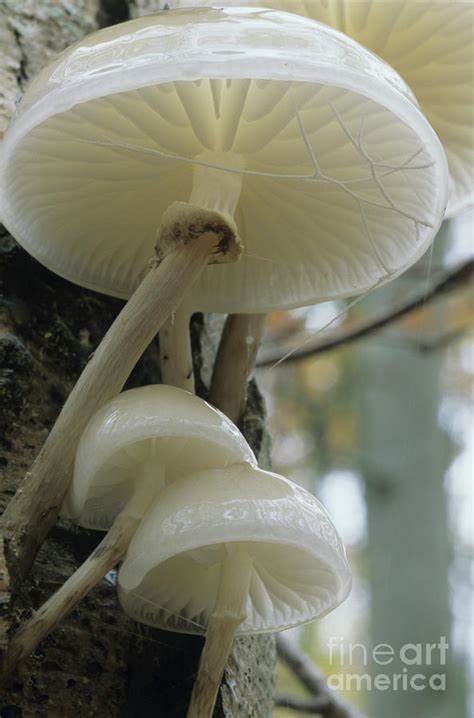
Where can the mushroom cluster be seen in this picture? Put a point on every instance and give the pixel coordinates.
(279, 161)
(210, 543)
(234, 160)
(131, 449)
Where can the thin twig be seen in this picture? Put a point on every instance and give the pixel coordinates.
(451, 280)
(332, 706)
(318, 706)
(440, 342)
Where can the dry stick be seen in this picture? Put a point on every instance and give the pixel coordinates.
(175, 351)
(235, 361)
(105, 556)
(34, 508)
(451, 280)
(318, 706)
(313, 680)
(111, 549)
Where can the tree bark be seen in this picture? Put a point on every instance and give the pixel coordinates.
(98, 662)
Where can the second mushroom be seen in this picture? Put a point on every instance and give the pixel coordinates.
(134, 447)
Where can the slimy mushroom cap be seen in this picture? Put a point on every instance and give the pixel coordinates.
(170, 576)
(160, 426)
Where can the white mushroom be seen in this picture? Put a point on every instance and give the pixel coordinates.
(131, 449)
(429, 42)
(230, 551)
(237, 111)
(213, 125)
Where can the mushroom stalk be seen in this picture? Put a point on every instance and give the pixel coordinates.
(190, 238)
(175, 351)
(235, 361)
(228, 614)
(105, 556)
(217, 191)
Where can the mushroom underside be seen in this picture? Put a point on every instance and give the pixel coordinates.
(336, 196)
(289, 585)
(96, 500)
(430, 45)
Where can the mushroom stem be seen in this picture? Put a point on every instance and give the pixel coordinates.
(34, 508)
(213, 190)
(235, 361)
(105, 556)
(228, 614)
(216, 186)
(175, 351)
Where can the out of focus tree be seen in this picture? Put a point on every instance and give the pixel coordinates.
(371, 410)
(404, 456)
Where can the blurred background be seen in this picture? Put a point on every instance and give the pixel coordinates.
(381, 430)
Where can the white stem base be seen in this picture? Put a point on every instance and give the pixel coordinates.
(228, 614)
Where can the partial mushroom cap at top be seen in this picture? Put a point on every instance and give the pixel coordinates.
(430, 43)
(171, 574)
(160, 426)
(337, 182)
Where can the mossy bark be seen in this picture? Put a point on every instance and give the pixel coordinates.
(98, 662)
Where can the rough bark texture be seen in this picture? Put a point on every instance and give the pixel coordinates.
(98, 663)
(33, 32)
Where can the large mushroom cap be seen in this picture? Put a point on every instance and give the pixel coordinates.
(179, 431)
(430, 43)
(171, 573)
(344, 183)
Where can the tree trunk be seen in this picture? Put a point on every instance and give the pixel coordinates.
(98, 662)
(405, 454)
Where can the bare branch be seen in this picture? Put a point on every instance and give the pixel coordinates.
(330, 704)
(451, 280)
(318, 706)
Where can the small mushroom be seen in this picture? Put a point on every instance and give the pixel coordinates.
(131, 449)
(216, 126)
(230, 551)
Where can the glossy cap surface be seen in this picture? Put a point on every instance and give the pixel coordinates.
(344, 183)
(170, 576)
(164, 424)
